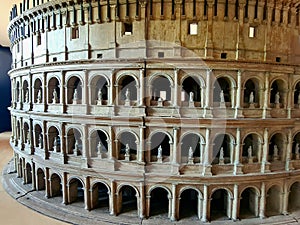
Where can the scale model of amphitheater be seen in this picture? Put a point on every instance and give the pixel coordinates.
(159, 106)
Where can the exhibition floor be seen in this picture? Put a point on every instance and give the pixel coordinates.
(12, 212)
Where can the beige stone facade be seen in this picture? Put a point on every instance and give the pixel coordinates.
(161, 107)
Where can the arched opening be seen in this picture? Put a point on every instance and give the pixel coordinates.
(128, 199)
(222, 153)
(18, 92)
(191, 145)
(189, 204)
(27, 135)
(220, 206)
(18, 130)
(20, 172)
(74, 91)
(294, 197)
(75, 191)
(191, 91)
(40, 179)
(159, 202)
(56, 186)
(28, 174)
(278, 94)
(100, 94)
(127, 90)
(251, 93)
(222, 95)
(127, 146)
(38, 136)
(99, 144)
(161, 90)
(53, 91)
(297, 96)
(273, 201)
(249, 203)
(296, 147)
(276, 148)
(53, 139)
(100, 197)
(74, 142)
(251, 149)
(38, 94)
(25, 92)
(160, 147)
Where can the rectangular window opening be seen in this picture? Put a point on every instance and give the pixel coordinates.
(193, 29)
(223, 55)
(278, 59)
(38, 40)
(54, 59)
(99, 56)
(161, 54)
(75, 33)
(251, 32)
(128, 28)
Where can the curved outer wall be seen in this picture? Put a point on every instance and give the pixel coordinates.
(100, 87)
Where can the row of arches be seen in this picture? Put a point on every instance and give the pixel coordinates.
(219, 204)
(159, 146)
(161, 89)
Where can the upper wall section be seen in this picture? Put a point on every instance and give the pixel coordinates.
(61, 30)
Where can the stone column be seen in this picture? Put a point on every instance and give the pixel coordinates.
(87, 194)
(85, 145)
(112, 194)
(289, 98)
(47, 183)
(174, 205)
(142, 200)
(116, 149)
(240, 46)
(110, 145)
(142, 82)
(65, 188)
(205, 204)
(199, 206)
(266, 96)
(233, 92)
(206, 154)
(235, 205)
(237, 165)
(175, 142)
(209, 30)
(238, 95)
(175, 103)
(289, 146)
(142, 145)
(148, 199)
(63, 146)
(111, 96)
(262, 203)
(30, 93)
(33, 177)
(268, 31)
(277, 13)
(285, 200)
(170, 207)
(207, 94)
(84, 89)
(264, 163)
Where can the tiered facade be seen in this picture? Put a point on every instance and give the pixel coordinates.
(159, 106)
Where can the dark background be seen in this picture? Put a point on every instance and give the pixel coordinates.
(5, 93)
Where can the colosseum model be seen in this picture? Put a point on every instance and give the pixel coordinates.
(176, 108)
